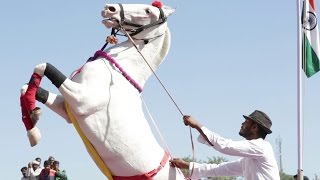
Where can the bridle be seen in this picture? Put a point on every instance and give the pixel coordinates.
(138, 28)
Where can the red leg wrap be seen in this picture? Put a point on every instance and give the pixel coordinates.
(30, 95)
(25, 115)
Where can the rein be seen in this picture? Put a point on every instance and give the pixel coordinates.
(139, 28)
(167, 92)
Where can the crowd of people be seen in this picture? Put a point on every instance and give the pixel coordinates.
(49, 171)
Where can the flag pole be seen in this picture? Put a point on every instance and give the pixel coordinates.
(299, 94)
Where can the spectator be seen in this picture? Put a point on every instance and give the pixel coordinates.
(51, 159)
(24, 173)
(304, 177)
(34, 170)
(39, 160)
(47, 173)
(60, 174)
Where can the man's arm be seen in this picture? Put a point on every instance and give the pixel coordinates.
(188, 120)
(246, 148)
(198, 170)
(215, 170)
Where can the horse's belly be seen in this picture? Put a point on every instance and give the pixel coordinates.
(123, 138)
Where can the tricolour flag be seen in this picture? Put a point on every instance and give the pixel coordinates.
(310, 39)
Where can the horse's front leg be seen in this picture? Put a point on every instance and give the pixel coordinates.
(31, 113)
(27, 100)
(53, 101)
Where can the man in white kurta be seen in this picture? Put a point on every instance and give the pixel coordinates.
(34, 170)
(256, 162)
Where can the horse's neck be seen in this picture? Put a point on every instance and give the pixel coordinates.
(133, 63)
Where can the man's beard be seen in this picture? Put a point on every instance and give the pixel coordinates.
(245, 133)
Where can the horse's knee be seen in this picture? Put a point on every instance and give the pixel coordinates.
(40, 68)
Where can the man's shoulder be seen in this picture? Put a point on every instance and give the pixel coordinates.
(260, 140)
(261, 143)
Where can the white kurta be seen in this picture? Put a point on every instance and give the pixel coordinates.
(257, 160)
(34, 174)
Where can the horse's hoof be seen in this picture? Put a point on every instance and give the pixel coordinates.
(34, 136)
(35, 115)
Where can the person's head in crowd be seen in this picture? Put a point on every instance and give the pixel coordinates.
(47, 165)
(24, 171)
(35, 164)
(51, 159)
(56, 165)
(304, 177)
(38, 159)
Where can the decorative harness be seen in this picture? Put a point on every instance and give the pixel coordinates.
(89, 146)
(123, 72)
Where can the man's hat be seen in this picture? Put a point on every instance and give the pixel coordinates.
(262, 119)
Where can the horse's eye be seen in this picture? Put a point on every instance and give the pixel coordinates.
(111, 8)
(148, 11)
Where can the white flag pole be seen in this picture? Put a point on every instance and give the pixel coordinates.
(299, 94)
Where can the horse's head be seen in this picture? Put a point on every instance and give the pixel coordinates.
(139, 20)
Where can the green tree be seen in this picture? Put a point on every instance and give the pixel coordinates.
(218, 160)
(284, 176)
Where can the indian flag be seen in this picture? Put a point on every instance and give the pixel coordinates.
(310, 39)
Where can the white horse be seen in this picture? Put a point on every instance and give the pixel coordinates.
(102, 98)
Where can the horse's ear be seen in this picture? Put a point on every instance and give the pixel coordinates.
(168, 10)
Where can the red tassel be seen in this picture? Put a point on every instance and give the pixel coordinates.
(157, 4)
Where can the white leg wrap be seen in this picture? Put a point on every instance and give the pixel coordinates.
(24, 89)
(40, 68)
(34, 136)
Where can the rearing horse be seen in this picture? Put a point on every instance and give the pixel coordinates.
(102, 98)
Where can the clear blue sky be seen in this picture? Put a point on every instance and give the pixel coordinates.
(227, 59)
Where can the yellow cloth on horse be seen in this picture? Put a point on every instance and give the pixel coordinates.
(89, 146)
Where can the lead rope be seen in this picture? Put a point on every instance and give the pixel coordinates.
(157, 129)
(167, 92)
(155, 125)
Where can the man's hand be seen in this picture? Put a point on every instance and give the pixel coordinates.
(190, 121)
(179, 163)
